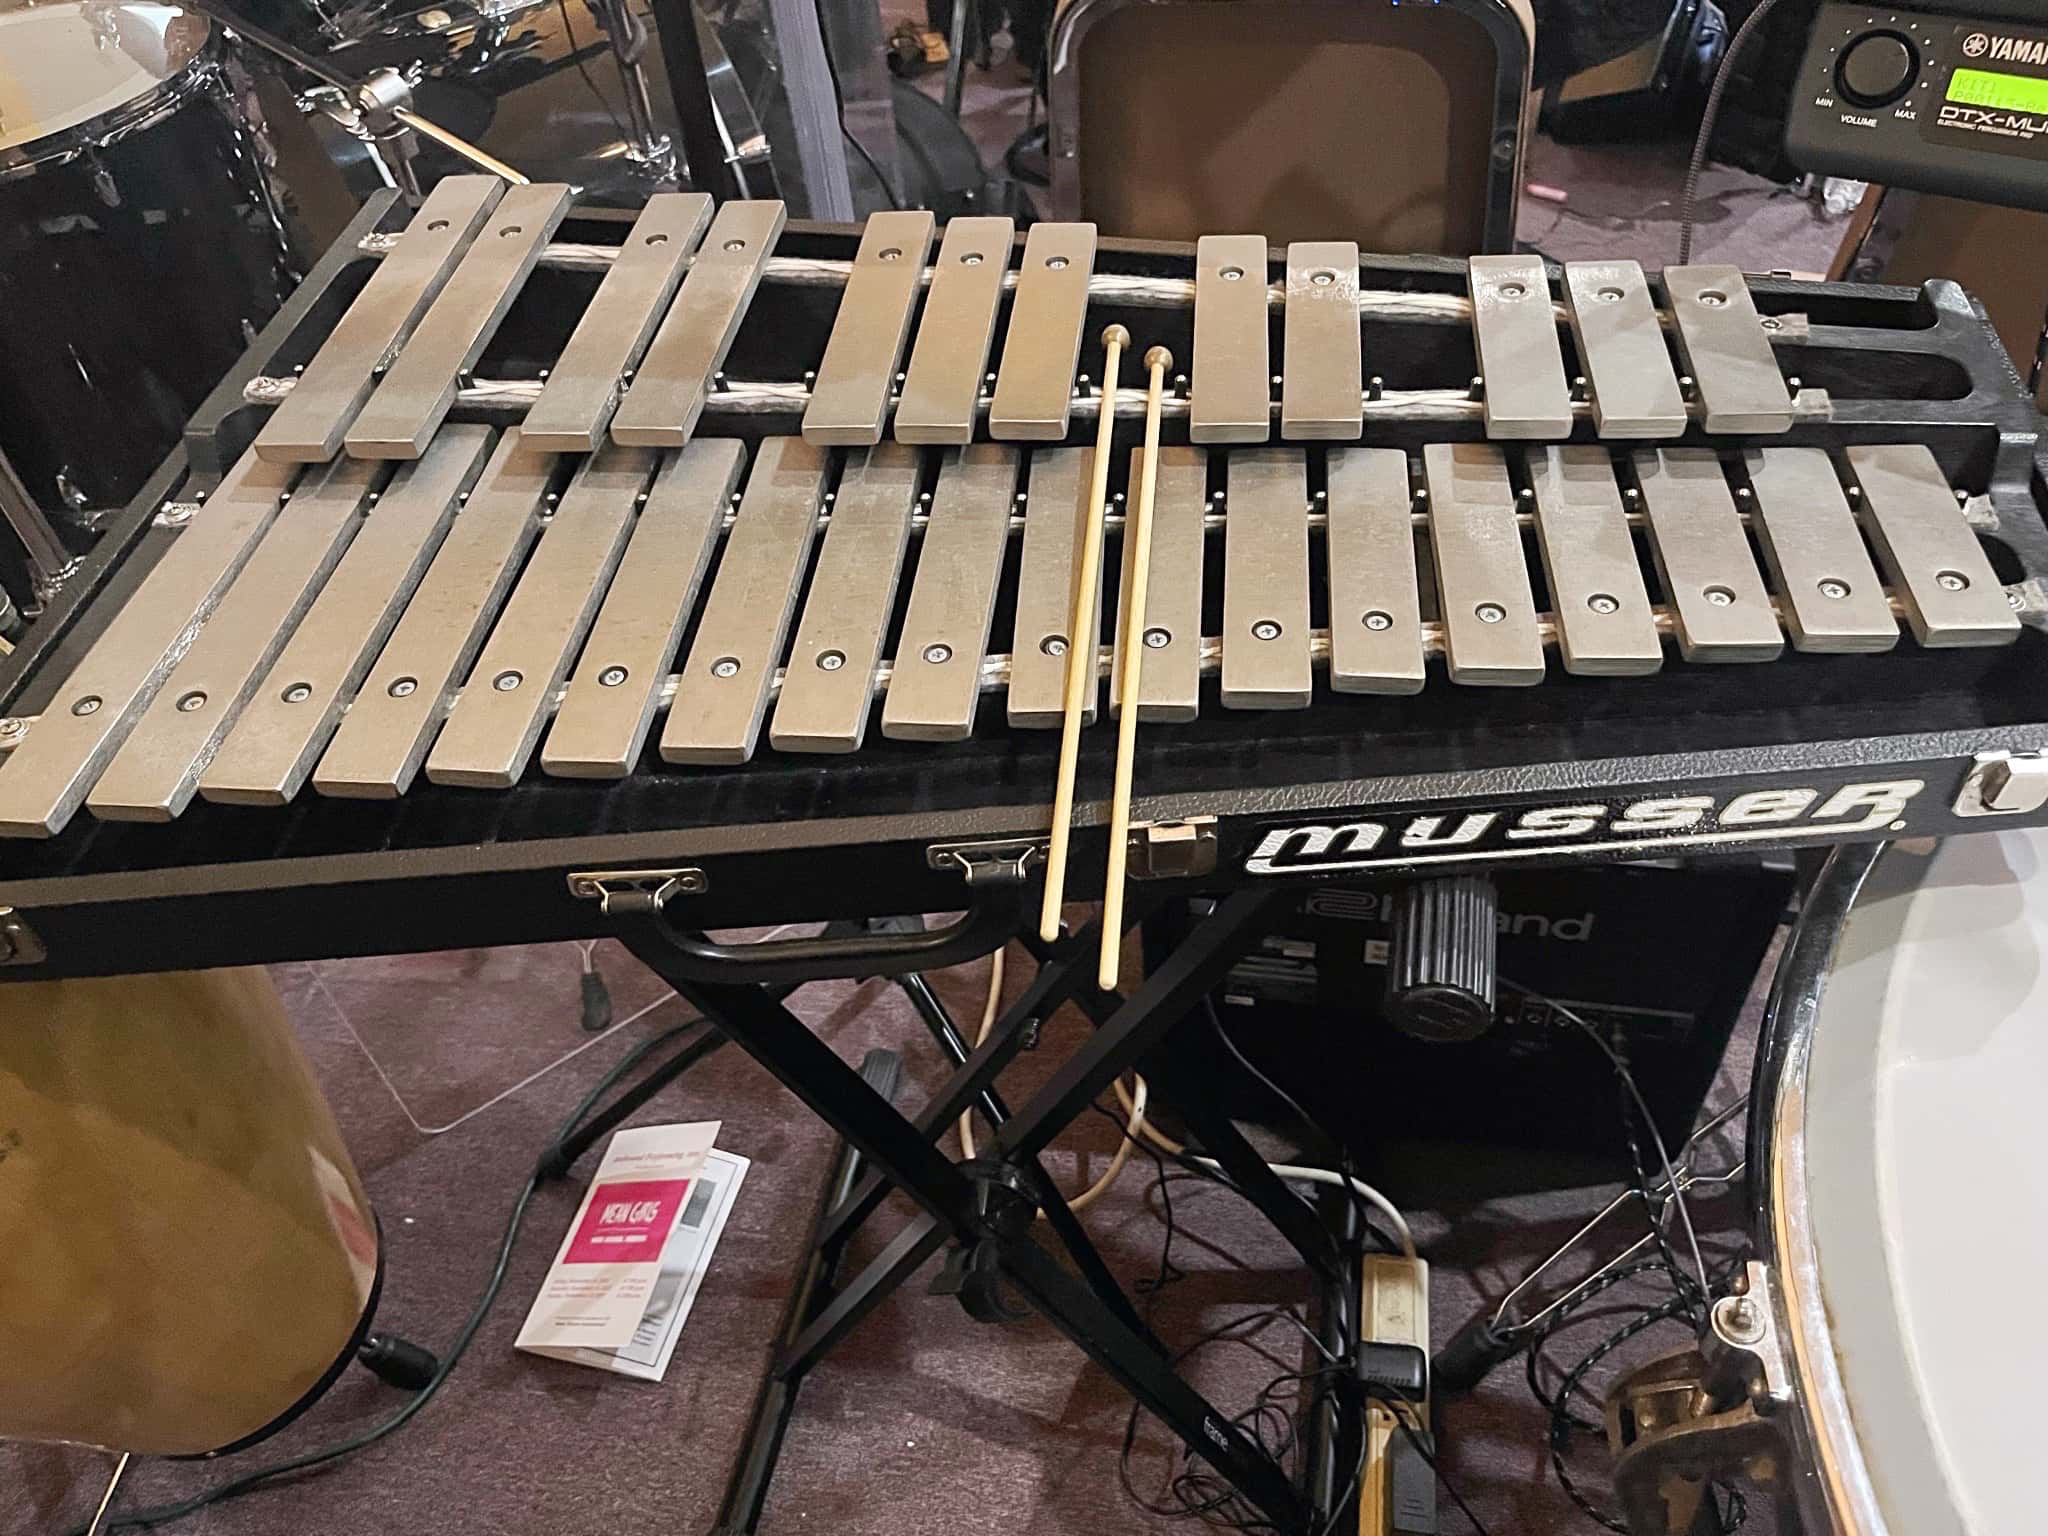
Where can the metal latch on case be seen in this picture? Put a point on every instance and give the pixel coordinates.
(1173, 850)
(635, 890)
(2004, 784)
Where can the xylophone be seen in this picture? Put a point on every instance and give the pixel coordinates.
(536, 554)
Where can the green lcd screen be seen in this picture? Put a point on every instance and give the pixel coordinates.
(2006, 93)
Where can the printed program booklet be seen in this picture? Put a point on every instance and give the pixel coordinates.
(622, 1285)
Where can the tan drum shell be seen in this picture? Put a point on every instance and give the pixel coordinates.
(185, 1249)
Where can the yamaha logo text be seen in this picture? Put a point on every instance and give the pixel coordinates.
(2006, 50)
(1631, 826)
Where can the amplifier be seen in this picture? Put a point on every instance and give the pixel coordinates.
(1666, 954)
(1941, 98)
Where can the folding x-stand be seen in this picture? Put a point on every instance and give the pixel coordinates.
(985, 1208)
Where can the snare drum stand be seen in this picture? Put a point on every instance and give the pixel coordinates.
(985, 1209)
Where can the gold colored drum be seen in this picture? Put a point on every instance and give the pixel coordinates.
(186, 1254)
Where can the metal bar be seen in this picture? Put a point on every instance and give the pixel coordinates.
(1938, 567)
(382, 739)
(942, 388)
(1035, 381)
(1170, 675)
(1724, 612)
(936, 681)
(282, 729)
(1375, 597)
(49, 775)
(309, 425)
(1826, 586)
(1605, 628)
(154, 775)
(582, 389)
(1489, 616)
(1265, 582)
(610, 703)
(491, 732)
(1727, 351)
(828, 689)
(1232, 396)
(1046, 573)
(1323, 372)
(1515, 331)
(1621, 347)
(419, 387)
(857, 375)
(739, 640)
(662, 404)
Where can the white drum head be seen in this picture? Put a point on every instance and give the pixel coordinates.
(1913, 1272)
(63, 65)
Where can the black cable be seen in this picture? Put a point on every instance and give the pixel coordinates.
(1628, 1079)
(1696, 167)
(1294, 1108)
(249, 1482)
(576, 58)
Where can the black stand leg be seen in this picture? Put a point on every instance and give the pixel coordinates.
(987, 1208)
(747, 1492)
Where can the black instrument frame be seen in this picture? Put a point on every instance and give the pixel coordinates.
(811, 838)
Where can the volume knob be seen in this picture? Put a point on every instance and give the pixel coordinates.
(1877, 69)
(1440, 967)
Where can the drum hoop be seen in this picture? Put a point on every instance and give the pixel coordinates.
(1838, 1494)
(200, 73)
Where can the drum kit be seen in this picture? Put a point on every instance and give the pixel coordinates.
(137, 160)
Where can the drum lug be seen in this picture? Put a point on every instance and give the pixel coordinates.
(619, 891)
(1741, 1340)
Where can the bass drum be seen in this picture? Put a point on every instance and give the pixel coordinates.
(1905, 1214)
(141, 243)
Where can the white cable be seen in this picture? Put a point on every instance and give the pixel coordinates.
(990, 1004)
(1286, 1171)
(1133, 1100)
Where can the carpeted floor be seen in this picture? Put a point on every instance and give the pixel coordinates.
(925, 1422)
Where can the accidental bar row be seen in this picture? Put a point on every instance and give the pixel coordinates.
(637, 368)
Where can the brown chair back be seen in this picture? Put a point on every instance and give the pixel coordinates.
(1398, 126)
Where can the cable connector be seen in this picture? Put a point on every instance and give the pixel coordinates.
(1391, 1370)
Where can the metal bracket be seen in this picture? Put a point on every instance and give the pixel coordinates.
(1742, 1333)
(636, 890)
(2004, 784)
(1002, 859)
(1173, 850)
(19, 944)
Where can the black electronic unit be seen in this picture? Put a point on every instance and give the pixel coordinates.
(1940, 98)
(1663, 954)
